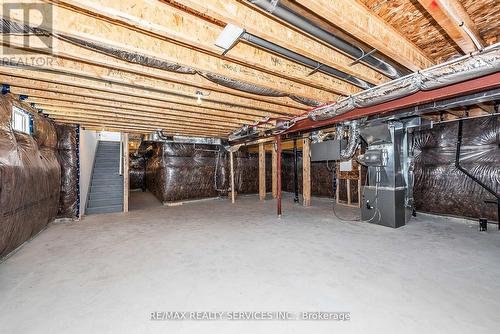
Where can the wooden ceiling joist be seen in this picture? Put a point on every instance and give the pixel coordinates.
(259, 23)
(70, 101)
(96, 126)
(371, 29)
(158, 123)
(73, 24)
(126, 124)
(449, 14)
(150, 92)
(76, 71)
(48, 105)
(190, 81)
(48, 108)
(162, 22)
(54, 110)
(37, 84)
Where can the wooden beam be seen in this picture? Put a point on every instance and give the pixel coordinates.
(269, 147)
(43, 98)
(155, 125)
(306, 171)
(69, 23)
(260, 23)
(126, 126)
(126, 175)
(42, 89)
(59, 67)
(196, 33)
(356, 19)
(149, 93)
(262, 172)
(136, 124)
(449, 14)
(133, 119)
(142, 116)
(80, 54)
(274, 171)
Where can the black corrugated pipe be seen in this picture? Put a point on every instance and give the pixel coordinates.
(305, 60)
(289, 16)
(295, 172)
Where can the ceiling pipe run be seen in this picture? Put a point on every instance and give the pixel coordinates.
(316, 66)
(296, 20)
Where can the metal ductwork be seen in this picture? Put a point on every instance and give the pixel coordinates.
(468, 67)
(289, 16)
(305, 60)
(353, 143)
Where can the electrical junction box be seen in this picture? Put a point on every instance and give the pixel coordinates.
(327, 150)
(346, 166)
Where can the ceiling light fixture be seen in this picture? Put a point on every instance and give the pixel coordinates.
(199, 94)
(229, 37)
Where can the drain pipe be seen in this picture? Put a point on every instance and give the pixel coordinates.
(305, 60)
(295, 172)
(289, 16)
(278, 167)
(462, 25)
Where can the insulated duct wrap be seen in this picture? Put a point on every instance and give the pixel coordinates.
(322, 175)
(471, 67)
(353, 142)
(137, 171)
(29, 177)
(439, 186)
(246, 172)
(177, 172)
(67, 149)
(465, 68)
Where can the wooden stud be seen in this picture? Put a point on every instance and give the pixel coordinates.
(126, 176)
(262, 172)
(306, 171)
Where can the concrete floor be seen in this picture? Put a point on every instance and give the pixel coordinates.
(107, 273)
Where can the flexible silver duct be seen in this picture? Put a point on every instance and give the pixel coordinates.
(464, 68)
(289, 16)
(353, 141)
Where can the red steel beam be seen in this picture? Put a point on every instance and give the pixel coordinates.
(278, 167)
(490, 81)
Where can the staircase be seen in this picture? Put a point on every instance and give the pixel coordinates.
(106, 187)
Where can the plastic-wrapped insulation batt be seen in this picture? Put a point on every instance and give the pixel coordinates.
(67, 148)
(29, 177)
(439, 186)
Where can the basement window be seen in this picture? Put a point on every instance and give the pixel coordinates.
(21, 120)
